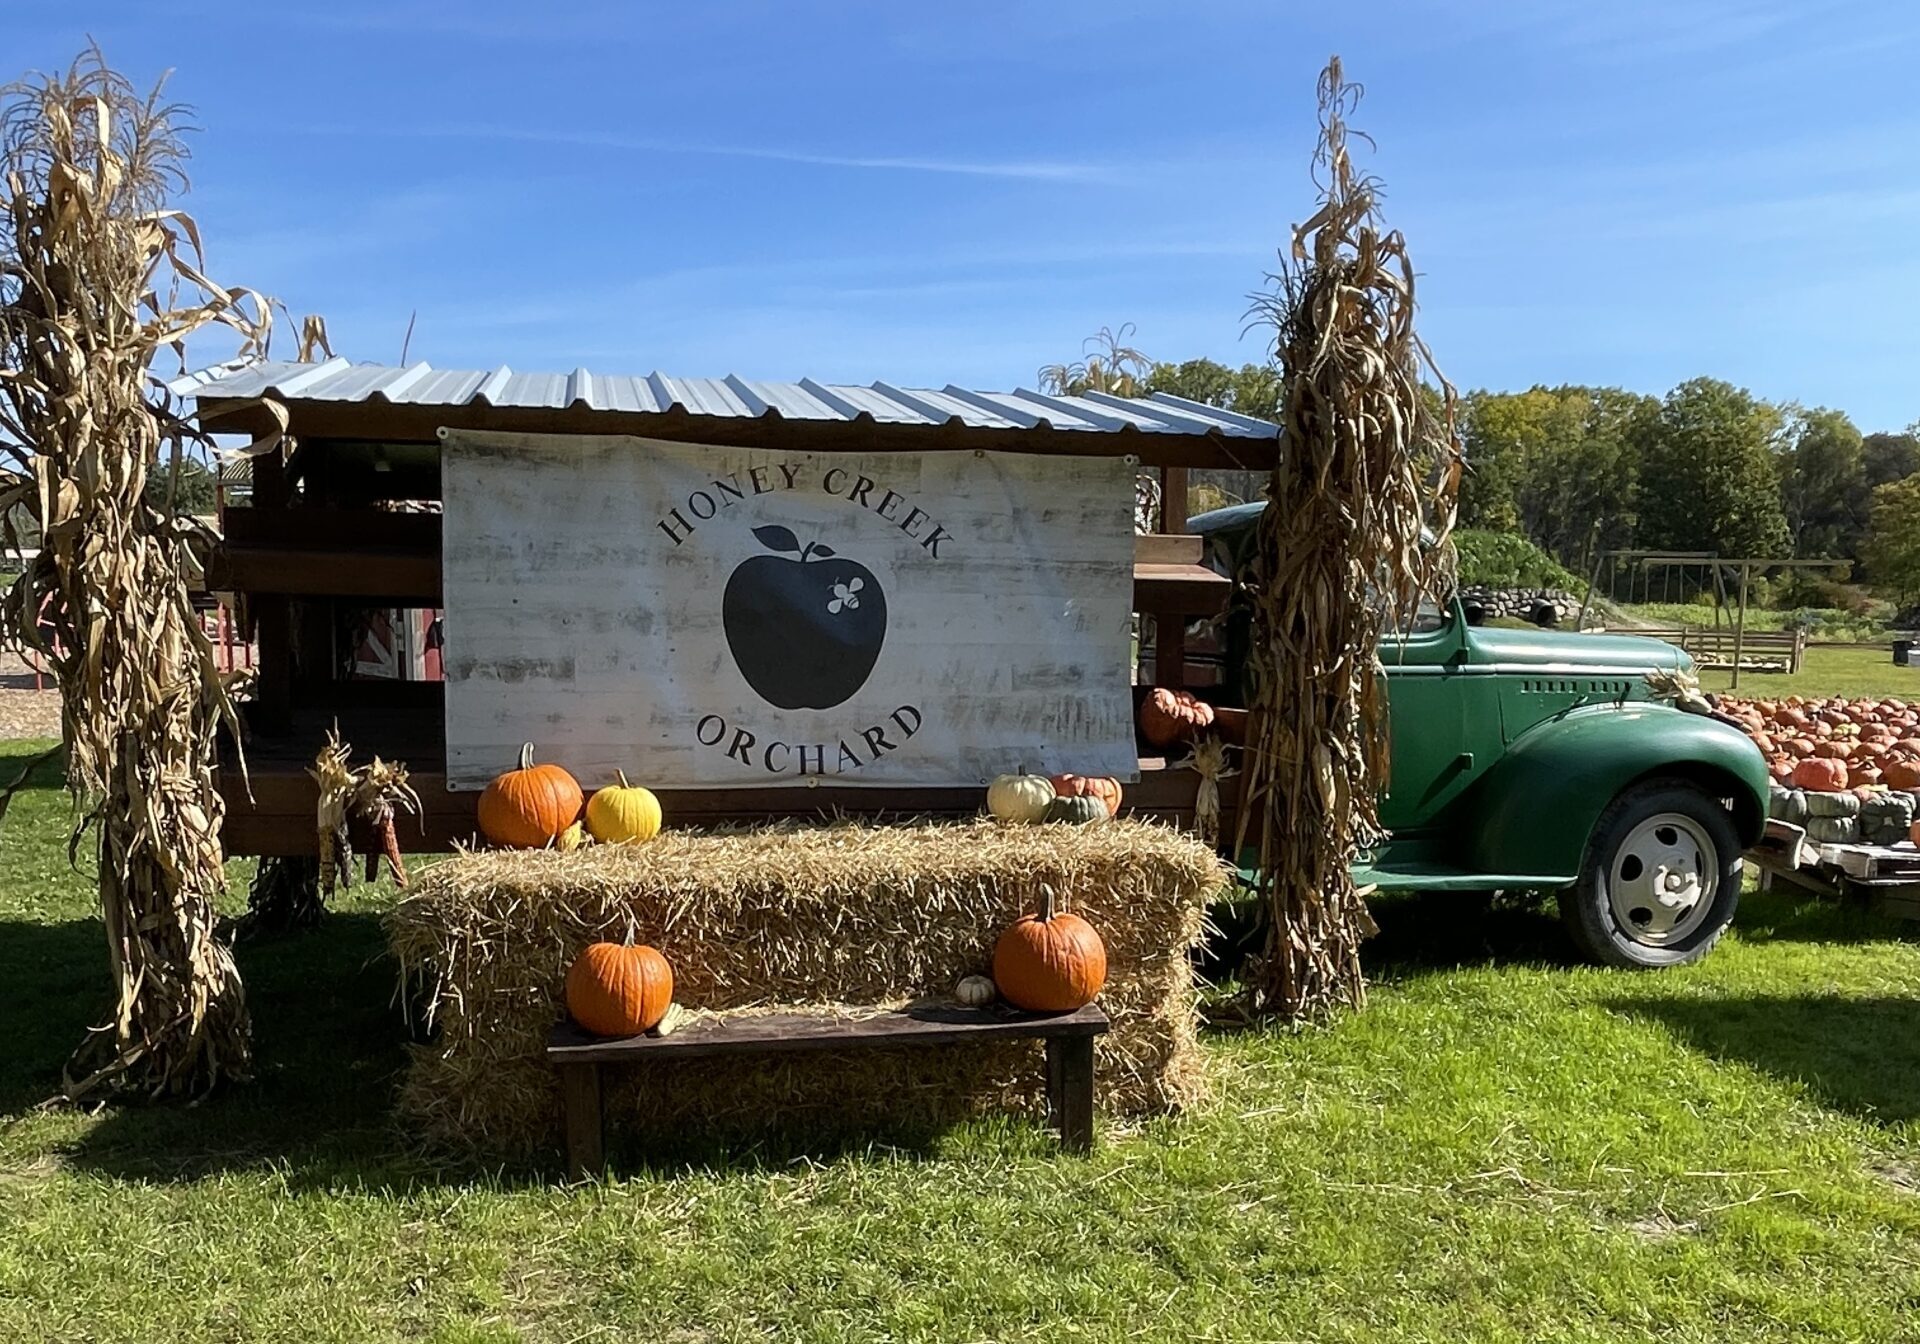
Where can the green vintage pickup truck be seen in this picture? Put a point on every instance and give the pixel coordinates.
(1528, 759)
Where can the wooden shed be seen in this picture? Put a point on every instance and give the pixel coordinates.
(349, 521)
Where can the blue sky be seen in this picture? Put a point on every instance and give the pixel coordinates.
(1629, 192)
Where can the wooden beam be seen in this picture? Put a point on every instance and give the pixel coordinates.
(272, 616)
(278, 818)
(360, 553)
(1173, 500)
(379, 577)
(805, 1033)
(375, 554)
(1162, 548)
(335, 530)
(1179, 590)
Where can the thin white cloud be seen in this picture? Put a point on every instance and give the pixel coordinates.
(1023, 169)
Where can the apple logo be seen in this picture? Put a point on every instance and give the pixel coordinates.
(805, 631)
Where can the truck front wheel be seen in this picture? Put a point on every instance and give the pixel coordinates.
(1661, 878)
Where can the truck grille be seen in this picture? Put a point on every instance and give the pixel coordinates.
(1600, 687)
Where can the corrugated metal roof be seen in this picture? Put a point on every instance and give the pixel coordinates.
(732, 396)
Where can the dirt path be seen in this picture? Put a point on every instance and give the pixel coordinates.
(25, 712)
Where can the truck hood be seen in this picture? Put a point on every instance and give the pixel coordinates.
(1548, 648)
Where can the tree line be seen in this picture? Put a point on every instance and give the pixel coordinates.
(1708, 467)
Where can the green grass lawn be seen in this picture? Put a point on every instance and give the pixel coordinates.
(1828, 670)
(1501, 1147)
(1832, 623)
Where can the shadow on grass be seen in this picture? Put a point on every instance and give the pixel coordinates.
(1790, 914)
(1423, 933)
(1420, 933)
(329, 1051)
(1860, 1056)
(48, 772)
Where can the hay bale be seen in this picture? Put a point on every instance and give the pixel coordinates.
(840, 917)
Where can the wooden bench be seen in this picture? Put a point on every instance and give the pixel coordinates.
(580, 1058)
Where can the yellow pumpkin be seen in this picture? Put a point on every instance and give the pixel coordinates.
(623, 813)
(1019, 797)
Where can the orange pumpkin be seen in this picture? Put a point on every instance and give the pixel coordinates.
(1781, 768)
(1169, 716)
(1831, 750)
(1106, 791)
(1798, 746)
(529, 807)
(1864, 775)
(1901, 774)
(613, 990)
(1820, 774)
(1049, 962)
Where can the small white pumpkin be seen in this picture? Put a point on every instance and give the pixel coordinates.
(1019, 797)
(975, 991)
(670, 1021)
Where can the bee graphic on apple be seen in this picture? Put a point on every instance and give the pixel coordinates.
(805, 624)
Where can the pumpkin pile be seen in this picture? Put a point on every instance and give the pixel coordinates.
(537, 806)
(1073, 799)
(1833, 745)
(1168, 716)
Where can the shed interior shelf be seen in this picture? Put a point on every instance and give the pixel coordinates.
(375, 553)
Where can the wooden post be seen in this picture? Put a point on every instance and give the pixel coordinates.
(1740, 623)
(1170, 631)
(1070, 1090)
(1593, 581)
(1173, 500)
(580, 1101)
(273, 616)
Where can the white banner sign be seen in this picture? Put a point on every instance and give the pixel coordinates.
(730, 617)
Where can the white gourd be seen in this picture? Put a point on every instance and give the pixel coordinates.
(1019, 797)
(975, 991)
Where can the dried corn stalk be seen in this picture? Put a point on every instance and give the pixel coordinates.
(333, 789)
(1368, 458)
(96, 277)
(380, 792)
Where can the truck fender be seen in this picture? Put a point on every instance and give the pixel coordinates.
(1539, 803)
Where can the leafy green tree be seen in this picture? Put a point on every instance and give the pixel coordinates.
(1499, 433)
(1892, 547)
(194, 487)
(1558, 465)
(1251, 389)
(1823, 484)
(1891, 457)
(1582, 492)
(1709, 473)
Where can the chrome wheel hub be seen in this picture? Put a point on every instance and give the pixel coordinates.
(1662, 880)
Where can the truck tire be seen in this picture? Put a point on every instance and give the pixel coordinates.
(1660, 880)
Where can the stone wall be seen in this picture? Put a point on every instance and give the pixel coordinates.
(1546, 607)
